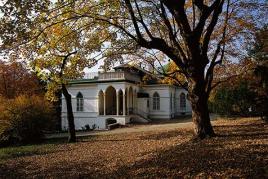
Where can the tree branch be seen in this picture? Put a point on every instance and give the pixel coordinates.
(217, 6)
(142, 21)
(64, 62)
(176, 8)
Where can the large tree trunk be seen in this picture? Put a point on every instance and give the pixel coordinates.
(199, 101)
(70, 116)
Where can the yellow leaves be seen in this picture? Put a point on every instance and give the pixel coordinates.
(171, 68)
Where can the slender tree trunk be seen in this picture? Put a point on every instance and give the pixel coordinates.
(70, 116)
(200, 113)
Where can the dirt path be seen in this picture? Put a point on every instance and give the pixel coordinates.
(185, 122)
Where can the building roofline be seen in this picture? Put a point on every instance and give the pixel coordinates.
(90, 81)
(168, 85)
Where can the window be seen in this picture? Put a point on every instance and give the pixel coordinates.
(182, 101)
(79, 102)
(156, 101)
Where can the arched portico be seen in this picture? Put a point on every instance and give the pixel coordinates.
(110, 101)
(126, 101)
(116, 101)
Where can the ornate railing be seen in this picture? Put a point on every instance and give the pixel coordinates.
(111, 75)
(118, 76)
(91, 75)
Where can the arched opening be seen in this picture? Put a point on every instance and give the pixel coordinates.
(126, 101)
(120, 96)
(110, 101)
(79, 102)
(130, 108)
(182, 102)
(156, 101)
(101, 103)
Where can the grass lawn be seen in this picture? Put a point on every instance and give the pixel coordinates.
(240, 150)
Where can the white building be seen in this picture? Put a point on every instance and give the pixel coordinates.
(120, 96)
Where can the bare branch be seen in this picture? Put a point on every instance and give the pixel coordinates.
(176, 8)
(217, 6)
(142, 21)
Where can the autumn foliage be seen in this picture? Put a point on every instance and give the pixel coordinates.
(16, 79)
(23, 119)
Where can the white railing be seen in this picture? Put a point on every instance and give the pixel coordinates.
(91, 75)
(111, 75)
(118, 76)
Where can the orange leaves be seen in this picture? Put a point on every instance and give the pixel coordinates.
(16, 80)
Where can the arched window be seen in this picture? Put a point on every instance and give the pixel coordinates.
(79, 102)
(156, 101)
(182, 101)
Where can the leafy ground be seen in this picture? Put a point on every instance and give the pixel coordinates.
(240, 150)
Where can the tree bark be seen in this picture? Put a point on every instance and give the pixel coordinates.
(70, 116)
(200, 113)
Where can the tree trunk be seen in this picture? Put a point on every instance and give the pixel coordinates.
(200, 114)
(70, 116)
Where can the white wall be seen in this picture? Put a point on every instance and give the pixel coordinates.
(90, 114)
(164, 111)
(142, 106)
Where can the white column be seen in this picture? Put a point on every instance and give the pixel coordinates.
(117, 104)
(104, 104)
(124, 104)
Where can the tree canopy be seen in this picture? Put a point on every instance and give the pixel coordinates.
(196, 35)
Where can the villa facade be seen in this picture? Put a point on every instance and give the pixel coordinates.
(121, 97)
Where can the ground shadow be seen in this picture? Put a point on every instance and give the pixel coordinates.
(238, 151)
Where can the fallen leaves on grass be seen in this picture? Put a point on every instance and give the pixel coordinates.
(239, 151)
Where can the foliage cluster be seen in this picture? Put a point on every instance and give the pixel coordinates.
(235, 100)
(24, 119)
(16, 79)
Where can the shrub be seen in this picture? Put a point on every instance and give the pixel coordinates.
(24, 118)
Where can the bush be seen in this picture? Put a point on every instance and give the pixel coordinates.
(24, 118)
